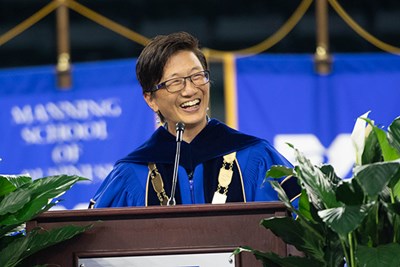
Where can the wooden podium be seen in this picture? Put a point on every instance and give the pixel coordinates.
(183, 229)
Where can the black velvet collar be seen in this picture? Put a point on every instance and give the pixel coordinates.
(215, 140)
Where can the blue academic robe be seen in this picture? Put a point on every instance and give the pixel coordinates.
(128, 183)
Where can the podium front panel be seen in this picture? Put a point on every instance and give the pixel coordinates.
(142, 232)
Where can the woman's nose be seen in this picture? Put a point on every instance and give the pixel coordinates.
(189, 88)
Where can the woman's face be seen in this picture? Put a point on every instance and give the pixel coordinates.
(188, 105)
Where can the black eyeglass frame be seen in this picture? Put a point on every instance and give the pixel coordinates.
(163, 84)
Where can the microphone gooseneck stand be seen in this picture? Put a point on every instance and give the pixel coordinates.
(180, 128)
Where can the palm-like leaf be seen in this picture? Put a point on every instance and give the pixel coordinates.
(395, 187)
(345, 219)
(373, 178)
(21, 248)
(314, 181)
(40, 239)
(373, 153)
(14, 201)
(358, 218)
(384, 255)
(334, 255)
(9, 183)
(54, 186)
(388, 152)
(279, 171)
(22, 200)
(394, 134)
(31, 199)
(282, 195)
(349, 192)
(298, 233)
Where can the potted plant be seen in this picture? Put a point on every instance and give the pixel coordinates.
(338, 222)
(21, 200)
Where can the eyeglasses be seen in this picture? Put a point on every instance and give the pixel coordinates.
(176, 84)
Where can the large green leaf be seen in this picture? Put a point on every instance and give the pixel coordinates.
(296, 232)
(304, 209)
(389, 153)
(384, 255)
(393, 212)
(30, 210)
(279, 171)
(396, 227)
(15, 219)
(11, 255)
(7, 229)
(9, 183)
(14, 201)
(271, 259)
(373, 178)
(320, 189)
(394, 185)
(309, 212)
(32, 199)
(33, 209)
(373, 152)
(334, 255)
(282, 195)
(345, 219)
(5, 240)
(24, 202)
(330, 174)
(370, 231)
(394, 134)
(54, 186)
(349, 192)
(367, 206)
(393, 207)
(37, 240)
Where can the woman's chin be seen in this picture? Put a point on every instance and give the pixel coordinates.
(195, 120)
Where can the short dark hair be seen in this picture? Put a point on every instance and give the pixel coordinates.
(151, 61)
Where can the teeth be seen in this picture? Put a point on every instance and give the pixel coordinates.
(190, 103)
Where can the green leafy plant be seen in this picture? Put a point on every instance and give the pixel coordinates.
(352, 222)
(21, 200)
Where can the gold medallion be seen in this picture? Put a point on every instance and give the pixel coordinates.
(225, 177)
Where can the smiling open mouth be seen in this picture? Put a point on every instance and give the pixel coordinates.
(191, 103)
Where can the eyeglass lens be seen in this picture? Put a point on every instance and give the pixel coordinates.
(198, 79)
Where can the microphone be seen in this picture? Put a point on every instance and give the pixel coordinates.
(180, 128)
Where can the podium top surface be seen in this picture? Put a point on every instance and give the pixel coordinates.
(163, 211)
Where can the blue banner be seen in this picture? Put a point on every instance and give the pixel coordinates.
(103, 117)
(282, 99)
(84, 130)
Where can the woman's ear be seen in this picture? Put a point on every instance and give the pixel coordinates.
(148, 97)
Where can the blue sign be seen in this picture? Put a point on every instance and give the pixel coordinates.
(282, 99)
(80, 131)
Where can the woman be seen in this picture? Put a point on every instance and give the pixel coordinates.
(217, 163)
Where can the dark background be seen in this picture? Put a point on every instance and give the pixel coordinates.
(219, 24)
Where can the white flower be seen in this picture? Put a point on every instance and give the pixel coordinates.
(358, 136)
